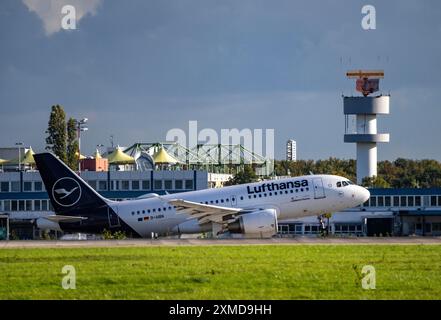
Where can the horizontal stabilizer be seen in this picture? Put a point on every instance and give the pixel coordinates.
(60, 218)
(148, 195)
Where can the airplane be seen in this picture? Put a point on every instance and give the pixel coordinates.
(248, 210)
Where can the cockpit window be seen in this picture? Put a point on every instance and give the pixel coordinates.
(344, 183)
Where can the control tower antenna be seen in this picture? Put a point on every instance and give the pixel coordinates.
(366, 109)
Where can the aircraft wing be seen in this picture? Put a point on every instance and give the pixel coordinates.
(203, 212)
(60, 218)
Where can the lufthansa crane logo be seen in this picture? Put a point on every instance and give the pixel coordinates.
(66, 192)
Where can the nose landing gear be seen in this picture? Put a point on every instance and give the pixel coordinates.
(324, 229)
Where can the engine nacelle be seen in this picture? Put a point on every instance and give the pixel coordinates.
(190, 226)
(260, 223)
(46, 224)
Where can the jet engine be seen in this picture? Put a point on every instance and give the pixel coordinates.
(261, 223)
(46, 224)
(191, 226)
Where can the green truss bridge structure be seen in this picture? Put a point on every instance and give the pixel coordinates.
(214, 158)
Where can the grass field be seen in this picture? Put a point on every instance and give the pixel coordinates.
(223, 272)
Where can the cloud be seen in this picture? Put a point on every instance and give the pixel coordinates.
(49, 11)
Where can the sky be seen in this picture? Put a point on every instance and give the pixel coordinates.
(138, 68)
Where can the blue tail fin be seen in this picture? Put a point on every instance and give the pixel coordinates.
(69, 194)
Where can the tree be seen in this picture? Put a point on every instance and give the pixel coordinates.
(375, 182)
(246, 176)
(62, 137)
(56, 140)
(72, 144)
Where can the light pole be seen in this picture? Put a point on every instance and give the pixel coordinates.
(81, 126)
(19, 144)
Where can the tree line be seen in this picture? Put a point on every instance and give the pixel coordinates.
(401, 173)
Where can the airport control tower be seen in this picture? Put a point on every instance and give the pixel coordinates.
(365, 109)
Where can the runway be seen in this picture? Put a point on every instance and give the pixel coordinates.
(218, 242)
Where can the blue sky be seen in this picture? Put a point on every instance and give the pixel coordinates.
(139, 68)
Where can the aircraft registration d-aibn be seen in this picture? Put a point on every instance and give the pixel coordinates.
(249, 209)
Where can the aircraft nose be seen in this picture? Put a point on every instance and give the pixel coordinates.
(363, 194)
(359, 195)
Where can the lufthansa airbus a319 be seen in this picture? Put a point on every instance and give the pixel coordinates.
(250, 209)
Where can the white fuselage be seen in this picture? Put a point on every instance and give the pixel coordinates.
(291, 198)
